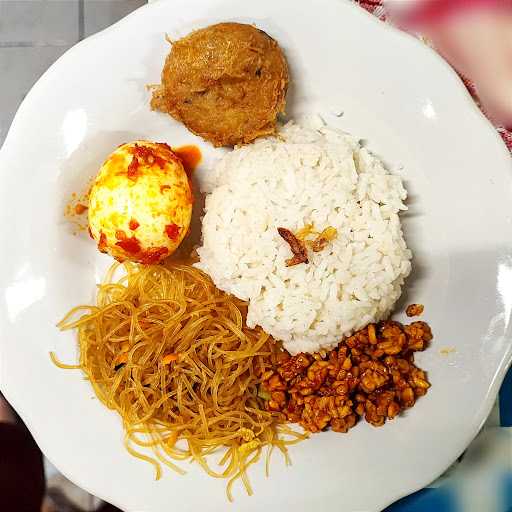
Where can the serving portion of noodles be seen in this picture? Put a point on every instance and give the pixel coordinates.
(172, 355)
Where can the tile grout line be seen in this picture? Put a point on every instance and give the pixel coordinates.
(81, 20)
(31, 44)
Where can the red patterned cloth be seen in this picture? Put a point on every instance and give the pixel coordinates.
(377, 8)
(373, 6)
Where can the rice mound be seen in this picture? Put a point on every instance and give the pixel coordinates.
(308, 173)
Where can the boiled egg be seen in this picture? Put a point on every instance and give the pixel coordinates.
(140, 204)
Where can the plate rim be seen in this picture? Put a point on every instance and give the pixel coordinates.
(499, 373)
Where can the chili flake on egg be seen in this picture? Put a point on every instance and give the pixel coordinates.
(140, 205)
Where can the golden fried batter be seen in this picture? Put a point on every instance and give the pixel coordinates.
(226, 83)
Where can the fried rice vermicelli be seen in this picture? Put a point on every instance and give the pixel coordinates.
(172, 355)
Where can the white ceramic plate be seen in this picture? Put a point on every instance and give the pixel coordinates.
(413, 111)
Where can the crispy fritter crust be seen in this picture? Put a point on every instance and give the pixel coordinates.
(226, 83)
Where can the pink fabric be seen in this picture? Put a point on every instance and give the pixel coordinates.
(377, 8)
(428, 11)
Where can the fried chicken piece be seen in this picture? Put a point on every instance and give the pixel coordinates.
(226, 83)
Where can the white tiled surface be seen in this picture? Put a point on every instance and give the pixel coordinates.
(35, 33)
(20, 67)
(99, 14)
(51, 22)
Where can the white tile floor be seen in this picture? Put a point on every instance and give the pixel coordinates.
(99, 14)
(33, 35)
(20, 67)
(48, 23)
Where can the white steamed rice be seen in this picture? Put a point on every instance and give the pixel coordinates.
(308, 174)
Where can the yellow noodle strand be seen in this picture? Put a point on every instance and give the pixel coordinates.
(204, 396)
